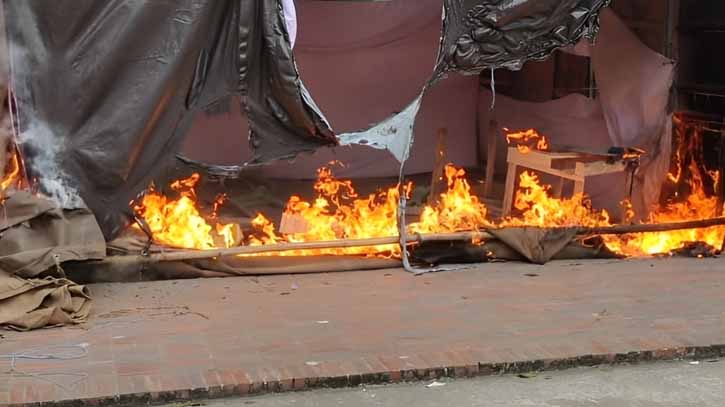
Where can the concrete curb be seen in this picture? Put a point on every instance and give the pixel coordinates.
(228, 383)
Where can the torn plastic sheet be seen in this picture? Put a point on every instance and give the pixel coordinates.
(479, 35)
(394, 134)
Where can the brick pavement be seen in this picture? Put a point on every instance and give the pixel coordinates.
(178, 340)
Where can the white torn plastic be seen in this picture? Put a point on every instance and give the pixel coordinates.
(290, 19)
(394, 134)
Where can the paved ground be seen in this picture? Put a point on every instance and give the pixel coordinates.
(208, 338)
(674, 384)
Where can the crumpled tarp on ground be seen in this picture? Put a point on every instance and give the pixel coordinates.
(107, 90)
(34, 303)
(36, 239)
(538, 248)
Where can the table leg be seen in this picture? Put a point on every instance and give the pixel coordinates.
(508, 195)
(558, 188)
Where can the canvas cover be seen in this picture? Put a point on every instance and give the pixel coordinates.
(36, 238)
(107, 90)
(27, 304)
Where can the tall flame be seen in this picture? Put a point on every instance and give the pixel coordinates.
(12, 176)
(457, 208)
(178, 222)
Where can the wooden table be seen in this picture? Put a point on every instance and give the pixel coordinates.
(572, 166)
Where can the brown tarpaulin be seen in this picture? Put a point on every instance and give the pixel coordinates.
(36, 237)
(27, 304)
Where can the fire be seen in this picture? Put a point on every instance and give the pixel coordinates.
(538, 208)
(527, 140)
(178, 222)
(338, 212)
(697, 206)
(457, 208)
(12, 175)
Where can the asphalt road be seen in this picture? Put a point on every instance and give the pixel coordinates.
(674, 384)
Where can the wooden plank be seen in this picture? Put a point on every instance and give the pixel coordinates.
(528, 159)
(508, 195)
(601, 168)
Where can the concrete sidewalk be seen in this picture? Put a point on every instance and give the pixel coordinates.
(209, 338)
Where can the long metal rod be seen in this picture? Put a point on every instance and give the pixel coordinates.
(414, 239)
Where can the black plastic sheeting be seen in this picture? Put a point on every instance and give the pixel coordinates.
(114, 84)
(490, 34)
(110, 88)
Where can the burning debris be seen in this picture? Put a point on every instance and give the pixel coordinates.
(339, 213)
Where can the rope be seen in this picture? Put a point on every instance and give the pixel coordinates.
(493, 90)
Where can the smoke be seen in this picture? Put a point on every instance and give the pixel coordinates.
(42, 149)
(44, 160)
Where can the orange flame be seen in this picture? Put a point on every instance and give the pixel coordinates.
(527, 140)
(12, 172)
(697, 206)
(539, 209)
(457, 208)
(338, 212)
(178, 222)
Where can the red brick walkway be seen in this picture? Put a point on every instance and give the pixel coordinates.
(199, 338)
